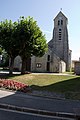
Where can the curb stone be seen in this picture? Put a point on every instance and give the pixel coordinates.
(47, 94)
(41, 112)
(44, 96)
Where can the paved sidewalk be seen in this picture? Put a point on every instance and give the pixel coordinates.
(7, 72)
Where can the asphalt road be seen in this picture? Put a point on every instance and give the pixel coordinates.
(24, 100)
(14, 115)
(37, 103)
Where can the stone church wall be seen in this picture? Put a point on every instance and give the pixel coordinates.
(62, 66)
(57, 65)
(39, 64)
(77, 68)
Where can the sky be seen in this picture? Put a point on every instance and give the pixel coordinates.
(44, 11)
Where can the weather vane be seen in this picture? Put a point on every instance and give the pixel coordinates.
(61, 9)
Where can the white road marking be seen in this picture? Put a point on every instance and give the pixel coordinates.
(55, 117)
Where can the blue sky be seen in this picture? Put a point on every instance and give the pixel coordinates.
(44, 11)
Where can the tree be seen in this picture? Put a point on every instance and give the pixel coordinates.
(0, 51)
(7, 40)
(31, 40)
(23, 38)
(4, 62)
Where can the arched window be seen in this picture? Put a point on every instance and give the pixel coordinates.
(61, 22)
(58, 22)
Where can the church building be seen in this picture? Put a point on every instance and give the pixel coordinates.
(58, 56)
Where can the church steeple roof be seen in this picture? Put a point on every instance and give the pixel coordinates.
(60, 14)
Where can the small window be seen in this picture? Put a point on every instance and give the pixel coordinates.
(38, 65)
(59, 37)
(59, 34)
(59, 29)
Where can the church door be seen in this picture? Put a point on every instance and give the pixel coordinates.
(48, 66)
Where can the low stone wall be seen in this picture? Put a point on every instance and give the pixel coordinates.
(77, 68)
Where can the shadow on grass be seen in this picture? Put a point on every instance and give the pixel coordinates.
(72, 85)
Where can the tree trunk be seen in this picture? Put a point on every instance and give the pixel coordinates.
(11, 64)
(28, 64)
(23, 69)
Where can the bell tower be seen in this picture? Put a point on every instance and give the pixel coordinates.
(60, 38)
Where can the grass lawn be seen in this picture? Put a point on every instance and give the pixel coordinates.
(69, 85)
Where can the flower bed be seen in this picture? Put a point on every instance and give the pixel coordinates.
(13, 85)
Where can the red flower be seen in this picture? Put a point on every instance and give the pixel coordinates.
(14, 85)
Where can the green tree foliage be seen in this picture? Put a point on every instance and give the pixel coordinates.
(7, 40)
(31, 40)
(23, 38)
(0, 51)
(5, 59)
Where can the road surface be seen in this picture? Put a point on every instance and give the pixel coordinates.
(15, 115)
